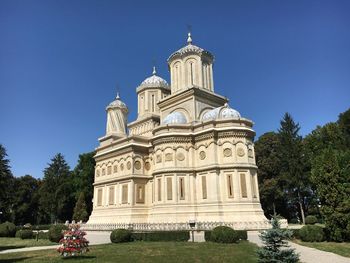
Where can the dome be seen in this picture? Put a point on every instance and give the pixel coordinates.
(223, 112)
(190, 48)
(117, 103)
(175, 118)
(154, 81)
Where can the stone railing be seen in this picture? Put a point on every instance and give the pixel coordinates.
(254, 225)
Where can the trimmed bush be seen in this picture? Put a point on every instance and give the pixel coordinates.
(120, 235)
(7, 229)
(224, 234)
(56, 232)
(242, 234)
(25, 234)
(42, 235)
(294, 221)
(161, 236)
(312, 233)
(207, 235)
(310, 220)
(295, 233)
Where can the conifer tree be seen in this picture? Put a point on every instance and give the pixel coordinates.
(276, 248)
(80, 212)
(6, 186)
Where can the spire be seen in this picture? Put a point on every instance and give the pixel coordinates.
(117, 97)
(154, 72)
(189, 38)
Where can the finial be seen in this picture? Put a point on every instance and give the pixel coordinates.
(189, 38)
(117, 96)
(154, 72)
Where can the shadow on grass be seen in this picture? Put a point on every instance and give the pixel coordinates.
(13, 260)
(9, 247)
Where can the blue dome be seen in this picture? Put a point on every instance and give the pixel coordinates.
(175, 118)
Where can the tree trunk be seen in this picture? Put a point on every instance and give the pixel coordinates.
(274, 208)
(302, 211)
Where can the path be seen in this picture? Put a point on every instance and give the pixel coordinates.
(307, 254)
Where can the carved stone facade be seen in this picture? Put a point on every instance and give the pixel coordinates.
(188, 156)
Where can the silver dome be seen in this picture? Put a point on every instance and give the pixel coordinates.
(154, 81)
(117, 103)
(223, 112)
(175, 118)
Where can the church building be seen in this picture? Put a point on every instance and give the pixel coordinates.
(188, 157)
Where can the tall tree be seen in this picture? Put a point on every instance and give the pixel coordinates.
(80, 212)
(270, 183)
(56, 191)
(84, 178)
(25, 201)
(6, 186)
(293, 169)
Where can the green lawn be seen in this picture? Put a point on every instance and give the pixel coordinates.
(342, 249)
(14, 242)
(178, 252)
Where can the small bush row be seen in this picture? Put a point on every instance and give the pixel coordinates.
(123, 235)
(29, 234)
(220, 235)
(7, 229)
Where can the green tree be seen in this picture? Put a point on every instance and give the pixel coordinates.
(25, 200)
(293, 168)
(270, 183)
(80, 212)
(276, 248)
(83, 175)
(56, 191)
(6, 186)
(331, 175)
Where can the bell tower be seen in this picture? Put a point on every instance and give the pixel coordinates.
(191, 66)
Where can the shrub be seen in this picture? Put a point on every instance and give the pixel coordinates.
(56, 232)
(242, 234)
(224, 234)
(312, 233)
(310, 220)
(43, 235)
(26, 234)
(295, 233)
(7, 229)
(294, 221)
(41, 227)
(120, 235)
(161, 236)
(207, 235)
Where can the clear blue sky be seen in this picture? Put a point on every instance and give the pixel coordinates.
(60, 62)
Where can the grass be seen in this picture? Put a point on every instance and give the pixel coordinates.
(148, 252)
(342, 249)
(14, 242)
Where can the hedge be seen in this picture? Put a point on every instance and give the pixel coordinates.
(242, 235)
(120, 235)
(224, 234)
(312, 233)
(161, 236)
(25, 234)
(7, 229)
(310, 220)
(56, 232)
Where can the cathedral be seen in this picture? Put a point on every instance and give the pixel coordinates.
(188, 157)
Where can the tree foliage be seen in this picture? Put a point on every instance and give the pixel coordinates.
(80, 209)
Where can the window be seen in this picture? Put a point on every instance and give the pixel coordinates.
(140, 193)
(230, 186)
(115, 168)
(153, 103)
(159, 189)
(182, 188)
(111, 196)
(109, 170)
(99, 197)
(169, 185)
(243, 186)
(204, 187)
(97, 173)
(103, 171)
(125, 194)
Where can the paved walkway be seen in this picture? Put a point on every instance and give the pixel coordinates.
(307, 254)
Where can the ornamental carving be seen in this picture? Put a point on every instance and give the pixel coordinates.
(180, 157)
(128, 165)
(250, 153)
(168, 157)
(227, 152)
(202, 155)
(137, 165)
(122, 167)
(158, 158)
(240, 152)
(147, 166)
